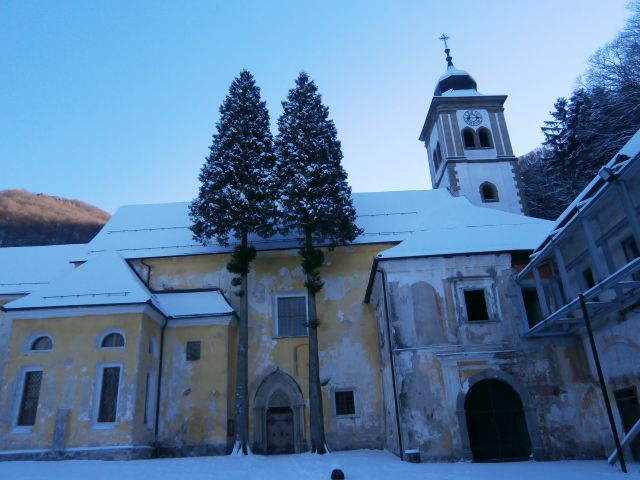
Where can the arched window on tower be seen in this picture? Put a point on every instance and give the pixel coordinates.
(437, 157)
(484, 134)
(468, 137)
(488, 192)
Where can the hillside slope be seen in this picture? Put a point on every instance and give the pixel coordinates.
(36, 219)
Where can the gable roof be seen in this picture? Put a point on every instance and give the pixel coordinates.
(138, 231)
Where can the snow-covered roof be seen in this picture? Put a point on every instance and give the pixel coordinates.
(456, 80)
(433, 220)
(105, 279)
(25, 269)
(465, 92)
(139, 231)
(193, 304)
(455, 226)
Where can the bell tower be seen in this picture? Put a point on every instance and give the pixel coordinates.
(468, 143)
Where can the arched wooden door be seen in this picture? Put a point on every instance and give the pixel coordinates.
(280, 431)
(496, 423)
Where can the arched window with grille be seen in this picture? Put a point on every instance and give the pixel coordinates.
(41, 343)
(488, 192)
(484, 135)
(468, 137)
(112, 340)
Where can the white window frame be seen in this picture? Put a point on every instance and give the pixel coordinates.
(104, 334)
(26, 346)
(19, 393)
(356, 401)
(97, 393)
(276, 296)
(487, 285)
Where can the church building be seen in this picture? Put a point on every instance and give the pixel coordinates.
(429, 333)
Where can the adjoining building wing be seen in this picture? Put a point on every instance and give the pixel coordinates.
(591, 249)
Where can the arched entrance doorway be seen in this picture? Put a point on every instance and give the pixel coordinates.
(278, 416)
(496, 422)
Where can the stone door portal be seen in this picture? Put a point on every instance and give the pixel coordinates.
(278, 412)
(279, 431)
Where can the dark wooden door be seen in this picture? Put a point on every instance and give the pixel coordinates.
(279, 431)
(496, 423)
(627, 400)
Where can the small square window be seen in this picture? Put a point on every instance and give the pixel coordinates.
(193, 351)
(476, 305)
(345, 402)
(589, 281)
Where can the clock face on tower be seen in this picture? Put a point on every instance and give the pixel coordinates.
(472, 117)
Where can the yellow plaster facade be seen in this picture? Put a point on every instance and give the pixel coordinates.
(196, 397)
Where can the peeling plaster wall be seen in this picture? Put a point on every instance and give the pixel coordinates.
(70, 376)
(348, 340)
(194, 403)
(438, 353)
(5, 334)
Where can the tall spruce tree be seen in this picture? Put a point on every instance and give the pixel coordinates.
(237, 197)
(315, 202)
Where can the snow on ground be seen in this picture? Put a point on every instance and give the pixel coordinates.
(362, 464)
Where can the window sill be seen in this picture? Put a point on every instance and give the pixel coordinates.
(355, 415)
(478, 148)
(476, 322)
(22, 430)
(104, 426)
(490, 201)
(280, 337)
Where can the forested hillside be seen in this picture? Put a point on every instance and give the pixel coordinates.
(36, 219)
(589, 127)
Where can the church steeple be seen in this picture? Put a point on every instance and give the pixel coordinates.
(468, 142)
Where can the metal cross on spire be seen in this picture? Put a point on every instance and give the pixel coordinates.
(444, 37)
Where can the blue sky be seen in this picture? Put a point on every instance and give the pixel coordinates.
(115, 102)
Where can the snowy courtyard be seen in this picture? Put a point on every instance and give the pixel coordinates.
(361, 464)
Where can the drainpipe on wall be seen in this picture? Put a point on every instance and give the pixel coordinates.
(392, 361)
(157, 412)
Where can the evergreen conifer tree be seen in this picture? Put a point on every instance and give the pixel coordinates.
(315, 202)
(237, 197)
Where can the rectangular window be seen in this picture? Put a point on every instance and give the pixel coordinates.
(147, 398)
(629, 409)
(109, 395)
(292, 316)
(631, 252)
(589, 281)
(345, 402)
(30, 397)
(532, 306)
(630, 248)
(193, 351)
(476, 304)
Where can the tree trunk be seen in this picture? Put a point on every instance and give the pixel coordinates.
(315, 392)
(242, 378)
